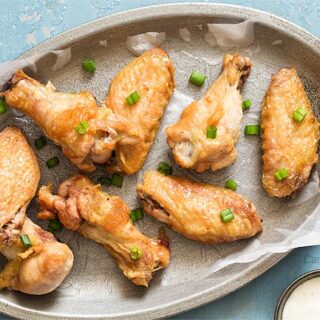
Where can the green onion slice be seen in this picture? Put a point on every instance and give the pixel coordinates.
(299, 114)
(212, 132)
(52, 162)
(55, 225)
(246, 104)
(82, 127)
(197, 78)
(116, 180)
(226, 215)
(281, 174)
(136, 214)
(40, 143)
(164, 168)
(26, 241)
(252, 129)
(135, 253)
(133, 98)
(231, 184)
(104, 180)
(3, 106)
(89, 65)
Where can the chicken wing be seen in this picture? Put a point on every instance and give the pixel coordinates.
(152, 76)
(42, 267)
(193, 208)
(287, 144)
(221, 108)
(84, 207)
(59, 115)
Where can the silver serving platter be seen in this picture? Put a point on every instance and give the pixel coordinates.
(96, 289)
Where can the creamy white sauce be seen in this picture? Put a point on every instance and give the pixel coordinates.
(304, 302)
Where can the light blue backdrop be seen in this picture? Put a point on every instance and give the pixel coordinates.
(25, 23)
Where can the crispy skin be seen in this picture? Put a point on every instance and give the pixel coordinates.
(220, 107)
(44, 266)
(85, 208)
(152, 76)
(193, 208)
(285, 142)
(58, 114)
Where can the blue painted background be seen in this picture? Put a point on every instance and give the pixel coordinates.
(25, 23)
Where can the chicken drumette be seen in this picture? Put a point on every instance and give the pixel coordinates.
(85, 208)
(221, 107)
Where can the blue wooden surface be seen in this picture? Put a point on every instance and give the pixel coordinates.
(25, 23)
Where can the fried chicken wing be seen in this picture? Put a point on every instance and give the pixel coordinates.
(42, 267)
(286, 143)
(193, 208)
(59, 114)
(152, 76)
(220, 107)
(85, 208)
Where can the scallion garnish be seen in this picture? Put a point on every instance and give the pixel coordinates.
(197, 78)
(135, 253)
(299, 114)
(252, 129)
(3, 106)
(164, 168)
(212, 132)
(40, 143)
(116, 180)
(246, 104)
(231, 184)
(136, 214)
(26, 241)
(52, 162)
(104, 180)
(55, 225)
(133, 98)
(82, 127)
(281, 174)
(226, 215)
(89, 65)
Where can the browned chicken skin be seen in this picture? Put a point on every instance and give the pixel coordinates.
(84, 207)
(41, 268)
(193, 208)
(58, 114)
(220, 107)
(152, 76)
(286, 143)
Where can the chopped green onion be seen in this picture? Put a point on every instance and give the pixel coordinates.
(133, 98)
(212, 132)
(299, 114)
(51, 230)
(3, 106)
(231, 184)
(116, 180)
(136, 214)
(281, 174)
(164, 168)
(197, 78)
(82, 127)
(252, 129)
(104, 180)
(226, 215)
(25, 241)
(53, 162)
(246, 104)
(40, 143)
(55, 225)
(135, 253)
(89, 65)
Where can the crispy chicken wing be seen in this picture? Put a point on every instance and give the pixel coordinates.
(220, 107)
(193, 208)
(58, 114)
(84, 207)
(152, 76)
(287, 143)
(41, 268)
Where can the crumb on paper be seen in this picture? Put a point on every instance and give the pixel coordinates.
(185, 34)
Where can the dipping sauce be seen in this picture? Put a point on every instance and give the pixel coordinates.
(304, 302)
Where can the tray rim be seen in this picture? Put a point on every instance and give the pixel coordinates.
(138, 15)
